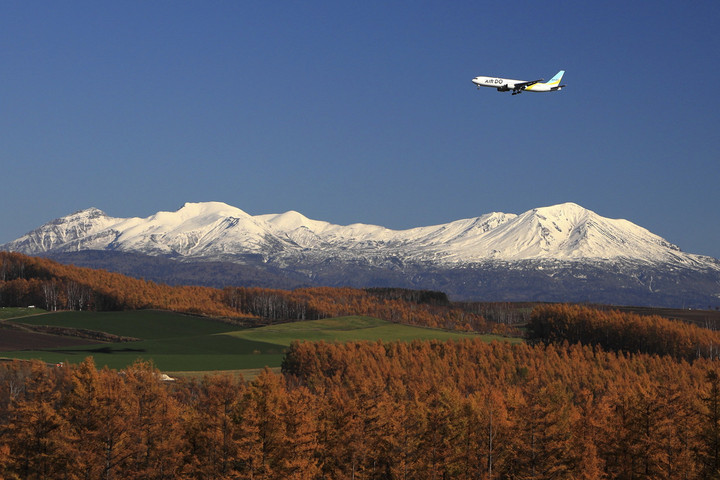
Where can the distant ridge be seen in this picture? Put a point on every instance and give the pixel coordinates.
(547, 242)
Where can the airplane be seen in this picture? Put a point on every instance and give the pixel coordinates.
(518, 86)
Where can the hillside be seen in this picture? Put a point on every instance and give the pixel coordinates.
(175, 342)
(36, 281)
(633, 398)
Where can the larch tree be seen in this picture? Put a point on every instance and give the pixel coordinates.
(211, 429)
(265, 397)
(39, 438)
(157, 430)
(299, 457)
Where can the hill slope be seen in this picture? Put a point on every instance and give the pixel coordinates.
(186, 343)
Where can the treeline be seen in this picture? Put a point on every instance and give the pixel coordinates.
(622, 331)
(510, 313)
(415, 296)
(421, 410)
(423, 308)
(44, 283)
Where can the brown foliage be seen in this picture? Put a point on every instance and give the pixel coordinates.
(419, 410)
(423, 309)
(621, 331)
(36, 281)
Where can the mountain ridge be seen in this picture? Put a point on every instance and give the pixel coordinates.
(218, 231)
(560, 238)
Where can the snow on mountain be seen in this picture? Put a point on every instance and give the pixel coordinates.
(197, 229)
(566, 232)
(217, 231)
(75, 230)
(292, 220)
(301, 230)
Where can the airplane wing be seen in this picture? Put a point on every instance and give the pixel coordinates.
(519, 87)
(524, 85)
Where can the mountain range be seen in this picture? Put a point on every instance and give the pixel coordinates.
(558, 253)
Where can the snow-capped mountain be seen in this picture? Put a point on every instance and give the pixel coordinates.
(556, 239)
(217, 231)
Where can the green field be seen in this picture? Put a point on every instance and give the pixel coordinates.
(16, 312)
(176, 342)
(344, 329)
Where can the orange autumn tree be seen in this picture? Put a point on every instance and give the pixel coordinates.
(615, 330)
(327, 302)
(407, 410)
(38, 281)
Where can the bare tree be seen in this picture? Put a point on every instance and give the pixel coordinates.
(51, 293)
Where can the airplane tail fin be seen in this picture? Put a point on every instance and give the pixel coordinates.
(555, 81)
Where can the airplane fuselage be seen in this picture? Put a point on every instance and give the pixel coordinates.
(518, 86)
(496, 82)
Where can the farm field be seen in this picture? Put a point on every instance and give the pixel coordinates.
(15, 312)
(176, 342)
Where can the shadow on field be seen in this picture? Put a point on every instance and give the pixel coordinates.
(107, 350)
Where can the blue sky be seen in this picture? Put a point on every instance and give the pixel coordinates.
(361, 111)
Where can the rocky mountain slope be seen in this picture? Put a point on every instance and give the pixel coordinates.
(557, 253)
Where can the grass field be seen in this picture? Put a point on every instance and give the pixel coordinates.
(16, 312)
(184, 343)
(344, 329)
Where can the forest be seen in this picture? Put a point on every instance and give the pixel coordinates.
(591, 394)
(419, 410)
(621, 331)
(52, 286)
